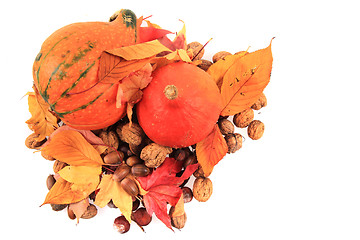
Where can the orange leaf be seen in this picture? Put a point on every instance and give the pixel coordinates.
(112, 190)
(42, 121)
(71, 147)
(140, 51)
(218, 69)
(245, 81)
(63, 193)
(113, 69)
(211, 150)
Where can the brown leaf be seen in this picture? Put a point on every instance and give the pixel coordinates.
(42, 121)
(79, 208)
(211, 150)
(245, 81)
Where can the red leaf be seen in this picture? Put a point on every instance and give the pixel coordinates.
(163, 187)
(151, 33)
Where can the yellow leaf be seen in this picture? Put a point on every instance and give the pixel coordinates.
(81, 175)
(140, 51)
(245, 81)
(42, 121)
(112, 190)
(70, 146)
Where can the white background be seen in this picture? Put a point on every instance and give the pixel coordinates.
(300, 181)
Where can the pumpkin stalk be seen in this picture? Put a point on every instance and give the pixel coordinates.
(171, 92)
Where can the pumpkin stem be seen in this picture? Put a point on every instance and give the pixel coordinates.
(171, 92)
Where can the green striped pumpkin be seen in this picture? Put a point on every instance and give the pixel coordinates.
(65, 71)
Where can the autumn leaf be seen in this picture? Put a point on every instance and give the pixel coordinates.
(62, 192)
(72, 148)
(42, 121)
(113, 69)
(211, 150)
(79, 208)
(151, 32)
(162, 187)
(218, 69)
(82, 176)
(245, 81)
(112, 190)
(178, 43)
(139, 51)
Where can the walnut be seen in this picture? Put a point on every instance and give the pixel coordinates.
(197, 49)
(199, 172)
(202, 189)
(132, 135)
(110, 138)
(205, 64)
(225, 126)
(244, 118)
(32, 143)
(260, 103)
(58, 166)
(256, 129)
(220, 55)
(234, 142)
(154, 154)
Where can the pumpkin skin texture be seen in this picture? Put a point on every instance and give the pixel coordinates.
(180, 106)
(65, 71)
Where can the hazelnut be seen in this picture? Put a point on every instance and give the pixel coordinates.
(154, 154)
(130, 186)
(233, 141)
(50, 181)
(244, 118)
(256, 129)
(197, 49)
(113, 157)
(220, 55)
(226, 126)
(121, 172)
(260, 103)
(202, 189)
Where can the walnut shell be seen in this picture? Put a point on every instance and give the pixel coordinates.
(202, 189)
(154, 154)
(260, 103)
(110, 138)
(32, 142)
(197, 49)
(256, 129)
(225, 126)
(244, 118)
(220, 55)
(205, 64)
(132, 135)
(233, 141)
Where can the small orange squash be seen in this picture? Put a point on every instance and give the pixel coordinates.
(65, 71)
(180, 106)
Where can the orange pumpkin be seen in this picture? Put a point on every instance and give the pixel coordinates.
(65, 71)
(180, 106)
